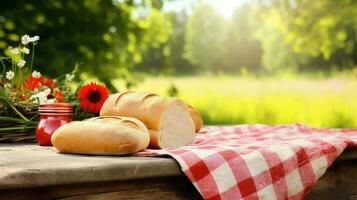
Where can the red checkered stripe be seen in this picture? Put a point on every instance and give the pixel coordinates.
(258, 161)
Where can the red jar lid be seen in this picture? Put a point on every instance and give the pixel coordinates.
(55, 108)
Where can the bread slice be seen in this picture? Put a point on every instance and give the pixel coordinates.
(167, 118)
(102, 136)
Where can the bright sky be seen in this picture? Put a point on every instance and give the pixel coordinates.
(224, 7)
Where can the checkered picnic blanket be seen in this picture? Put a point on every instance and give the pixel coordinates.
(259, 161)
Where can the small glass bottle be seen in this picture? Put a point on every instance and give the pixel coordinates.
(52, 116)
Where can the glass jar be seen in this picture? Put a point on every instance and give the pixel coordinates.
(52, 116)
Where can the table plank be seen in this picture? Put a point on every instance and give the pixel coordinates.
(30, 165)
(178, 188)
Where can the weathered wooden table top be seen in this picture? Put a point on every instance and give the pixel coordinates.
(30, 166)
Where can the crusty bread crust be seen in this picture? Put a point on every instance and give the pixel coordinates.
(154, 138)
(136, 105)
(196, 117)
(102, 136)
(152, 110)
(146, 107)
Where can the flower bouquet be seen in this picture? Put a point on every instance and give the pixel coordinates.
(23, 89)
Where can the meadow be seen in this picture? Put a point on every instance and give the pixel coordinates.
(224, 99)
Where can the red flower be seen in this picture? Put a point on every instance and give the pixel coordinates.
(58, 95)
(92, 97)
(31, 83)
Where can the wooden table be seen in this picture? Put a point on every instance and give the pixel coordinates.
(28, 171)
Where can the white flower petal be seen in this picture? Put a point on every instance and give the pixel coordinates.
(10, 75)
(25, 39)
(25, 50)
(35, 38)
(36, 74)
(69, 77)
(21, 63)
(14, 50)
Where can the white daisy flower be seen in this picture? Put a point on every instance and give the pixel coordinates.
(25, 39)
(14, 50)
(21, 63)
(69, 77)
(10, 75)
(25, 50)
(36, 74)
(35, 38)
(8, 85)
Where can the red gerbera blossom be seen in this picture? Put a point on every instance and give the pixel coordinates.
(92, 97)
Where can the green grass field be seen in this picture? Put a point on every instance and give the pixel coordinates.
(231, 100)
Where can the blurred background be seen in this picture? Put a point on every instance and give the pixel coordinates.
(257, 61)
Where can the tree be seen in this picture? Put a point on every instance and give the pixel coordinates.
(205, 36)
(325, 28)
(278, 53)
(154, 56)
(244, 50)
(175, 60)
(108, 37)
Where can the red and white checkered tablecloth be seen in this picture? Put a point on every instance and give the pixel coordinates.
(259, 161)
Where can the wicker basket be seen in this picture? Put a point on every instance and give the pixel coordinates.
(22, 134)
(19, 136)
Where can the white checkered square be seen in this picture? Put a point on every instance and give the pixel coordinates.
(284, 153)
(302, 142)
(203, 153)
(256, 163)
(224, 177)
(319, 166)
(294, 183)
(267, 193)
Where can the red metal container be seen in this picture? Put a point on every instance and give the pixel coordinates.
(52, 116)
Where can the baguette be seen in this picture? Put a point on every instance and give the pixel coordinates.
(102, 136)
(167, 118)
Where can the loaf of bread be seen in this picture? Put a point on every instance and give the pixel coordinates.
(167, 118)
(196, 117)
(102, 136)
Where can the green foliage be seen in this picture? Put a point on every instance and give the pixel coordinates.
(242, 48)
(324, 28)
(172, 91)
(175, 60)
(280, 35)
(107, 36)
(168, 57)
(153, 56)
(205, 34)
(278, 53)
(116, 37)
